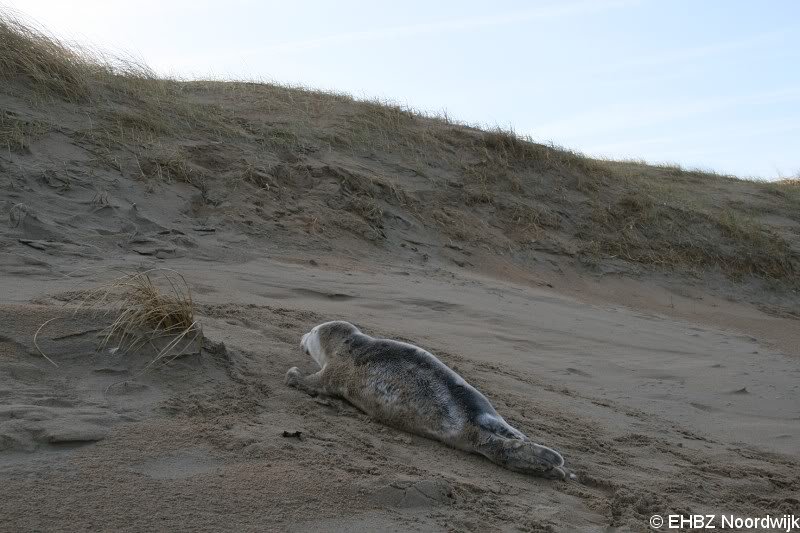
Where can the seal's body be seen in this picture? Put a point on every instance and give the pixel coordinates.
(406, 387)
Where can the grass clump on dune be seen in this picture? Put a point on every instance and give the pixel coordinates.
(64, 69)
(152, 308)
(31, 53)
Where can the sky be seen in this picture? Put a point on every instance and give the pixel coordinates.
(711, 84)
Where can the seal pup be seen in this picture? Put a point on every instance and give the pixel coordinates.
(406, 387)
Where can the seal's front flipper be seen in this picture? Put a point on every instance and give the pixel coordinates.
(310, 384)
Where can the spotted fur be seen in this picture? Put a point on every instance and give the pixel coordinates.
(406, 387)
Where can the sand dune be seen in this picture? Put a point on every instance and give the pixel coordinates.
(641, 319)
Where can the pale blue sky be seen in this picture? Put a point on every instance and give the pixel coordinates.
(709, 84)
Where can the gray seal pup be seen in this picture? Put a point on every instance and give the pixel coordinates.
(406, 387)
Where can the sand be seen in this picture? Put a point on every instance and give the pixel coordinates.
(666, 392)
(657, 413)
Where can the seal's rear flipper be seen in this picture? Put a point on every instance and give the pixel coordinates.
(524, 456)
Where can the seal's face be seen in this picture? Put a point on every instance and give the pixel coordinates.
(323, 339)
(311, 345)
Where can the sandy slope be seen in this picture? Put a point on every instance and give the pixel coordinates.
(657, 413)
(667, 392)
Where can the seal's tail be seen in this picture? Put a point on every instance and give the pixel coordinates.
(523, 456)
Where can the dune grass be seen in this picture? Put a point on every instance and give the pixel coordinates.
(16, 135)
(147, 307)
(152, 309)
(29, 52)
(478, 182)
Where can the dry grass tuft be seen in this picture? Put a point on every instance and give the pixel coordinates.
(366, 207)
(66, 70)
(16, 134)
(788, 188)
(510, 149)
(28, 52)
(640, 229)
(152, 308)
(169, 167)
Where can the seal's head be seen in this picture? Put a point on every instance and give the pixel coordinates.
(324, 339)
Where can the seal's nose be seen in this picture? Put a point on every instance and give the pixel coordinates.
(303, 344)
